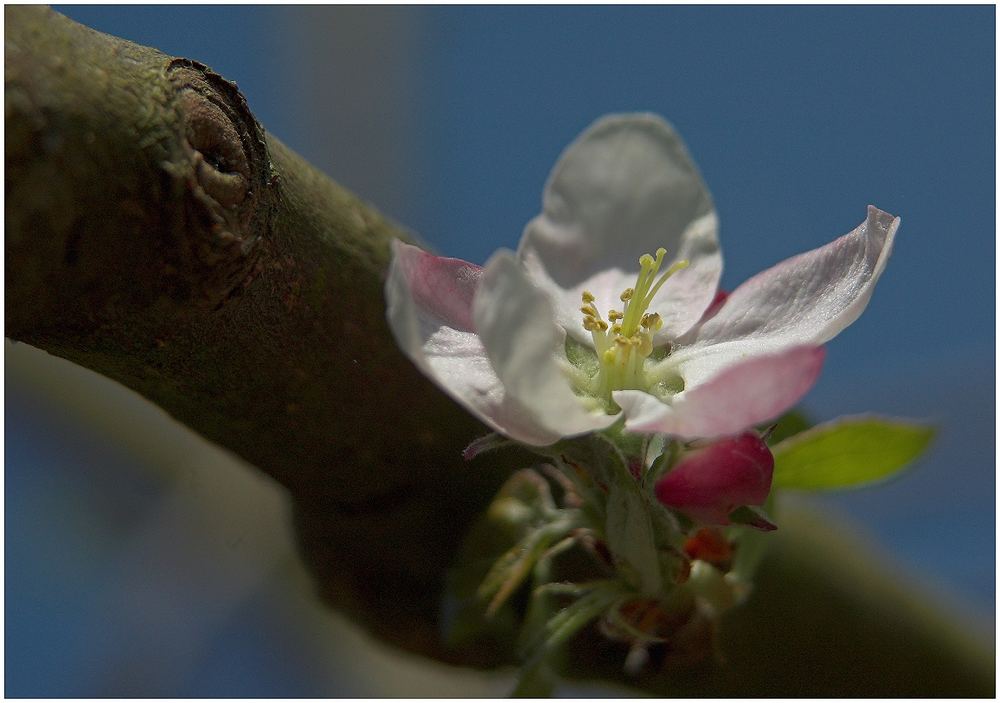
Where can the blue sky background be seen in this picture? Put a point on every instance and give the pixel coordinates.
(798, 119)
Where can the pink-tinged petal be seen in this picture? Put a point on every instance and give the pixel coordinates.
(431, 319)
(807, 299)
(440, 286)
(708, 484)
(743, 394)
(527, 349)
(624, 188)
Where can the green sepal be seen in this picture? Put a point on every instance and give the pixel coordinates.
(486, 443)
(630, 537)
(848, 452)
(545, 639)
(522, 505)
(746, 515)
(788, 425)
(751, 546)
(663, 463)
(512, 569)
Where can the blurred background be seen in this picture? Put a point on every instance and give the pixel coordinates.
(141, 561)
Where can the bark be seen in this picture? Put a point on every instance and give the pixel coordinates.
(157, 234)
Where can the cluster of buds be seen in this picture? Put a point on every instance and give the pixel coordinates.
(659, 533)
(710, 488)
(680, 628)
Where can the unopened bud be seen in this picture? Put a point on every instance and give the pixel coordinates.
(710, 483)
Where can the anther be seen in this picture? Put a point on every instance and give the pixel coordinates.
(652, 321)
(627, 294)
(587, 296)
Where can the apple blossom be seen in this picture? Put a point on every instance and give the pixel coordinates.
(601, 312)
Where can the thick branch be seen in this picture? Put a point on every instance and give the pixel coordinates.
(157, 235)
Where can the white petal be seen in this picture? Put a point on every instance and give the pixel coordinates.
(624, 188)
(527, 350)
(738, 397)
(807, 299)
(429, 311)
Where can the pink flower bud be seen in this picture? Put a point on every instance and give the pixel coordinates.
(708, 484)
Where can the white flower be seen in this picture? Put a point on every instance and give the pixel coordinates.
(582, 324)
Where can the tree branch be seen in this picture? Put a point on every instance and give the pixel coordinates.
(157, 234)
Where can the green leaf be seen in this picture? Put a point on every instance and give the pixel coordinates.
(848, 452)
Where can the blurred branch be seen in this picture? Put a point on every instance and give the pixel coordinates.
(157, 235)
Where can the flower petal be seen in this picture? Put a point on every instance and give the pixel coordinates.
(515, 321)
(441, 287)
(429, 308)
(740, 396)
(807, 299)
(717, 302)
(624, 188)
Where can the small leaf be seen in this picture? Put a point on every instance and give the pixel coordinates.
(848, 452)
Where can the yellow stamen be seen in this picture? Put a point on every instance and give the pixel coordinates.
(625, 340)
(652, 321)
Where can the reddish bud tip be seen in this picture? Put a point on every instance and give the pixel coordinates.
(710, 483)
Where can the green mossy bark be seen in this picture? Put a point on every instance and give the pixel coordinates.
(157, 235)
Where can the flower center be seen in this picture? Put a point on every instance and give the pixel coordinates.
(625, 340)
